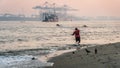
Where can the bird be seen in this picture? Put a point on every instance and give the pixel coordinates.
(73, 52)
(33, 58)
(57, 24)
(95, 50)
(87, 51)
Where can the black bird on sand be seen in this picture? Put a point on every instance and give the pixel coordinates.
(95, 50)
(73, 52)
(87, 51)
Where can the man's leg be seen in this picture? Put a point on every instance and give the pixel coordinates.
(79, 40)
(76, 39)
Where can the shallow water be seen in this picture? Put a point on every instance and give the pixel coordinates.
(21, 62)
(34, 35)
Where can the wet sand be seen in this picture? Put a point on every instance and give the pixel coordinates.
(106, 56)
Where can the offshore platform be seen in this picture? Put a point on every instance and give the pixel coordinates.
(52, 13)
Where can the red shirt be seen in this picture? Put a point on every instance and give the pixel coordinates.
(76, 33)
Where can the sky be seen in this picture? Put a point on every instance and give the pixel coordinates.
(85, 7)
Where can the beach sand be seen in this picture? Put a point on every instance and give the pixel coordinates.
(107, 56)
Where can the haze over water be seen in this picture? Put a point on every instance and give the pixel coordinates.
(85, 7)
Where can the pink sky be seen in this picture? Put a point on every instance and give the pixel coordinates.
(85, 7)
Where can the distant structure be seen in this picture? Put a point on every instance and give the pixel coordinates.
(47, 13)
(52, 13)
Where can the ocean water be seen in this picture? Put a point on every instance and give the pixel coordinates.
(46, 35)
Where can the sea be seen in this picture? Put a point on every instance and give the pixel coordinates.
(24, 37)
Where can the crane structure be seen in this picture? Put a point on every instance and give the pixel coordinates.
(52, 13)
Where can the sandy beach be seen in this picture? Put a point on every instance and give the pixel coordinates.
(107, 56)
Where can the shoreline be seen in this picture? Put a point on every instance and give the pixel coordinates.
(36, 54)
(69, 53)
(107, 56)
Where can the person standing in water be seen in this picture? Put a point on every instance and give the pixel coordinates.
(77, 35)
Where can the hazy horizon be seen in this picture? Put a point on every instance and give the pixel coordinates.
(85, 7)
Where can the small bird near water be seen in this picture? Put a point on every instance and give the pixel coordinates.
(95, 50)
(87, 51)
